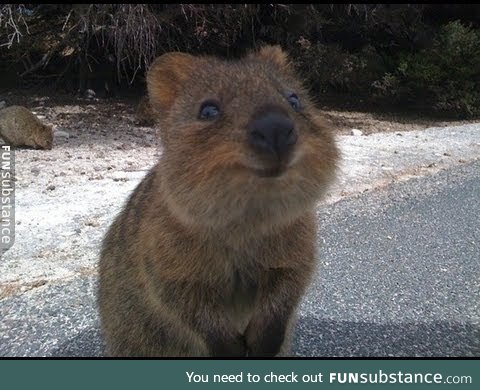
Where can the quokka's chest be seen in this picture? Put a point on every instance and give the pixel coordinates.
(241, 298)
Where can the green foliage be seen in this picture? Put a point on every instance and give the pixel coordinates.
(393, 54)
(333, 69)
(445, 76)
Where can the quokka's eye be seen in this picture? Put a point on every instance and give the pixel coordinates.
(209, 110)
(294, 101)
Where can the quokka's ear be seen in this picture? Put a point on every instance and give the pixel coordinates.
(273, 54)
(166, 77)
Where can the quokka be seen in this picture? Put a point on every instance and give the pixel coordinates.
(216, 246)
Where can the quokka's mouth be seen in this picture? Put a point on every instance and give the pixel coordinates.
(273, 172)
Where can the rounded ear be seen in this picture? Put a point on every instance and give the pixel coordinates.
(273, 54)
(165, 78)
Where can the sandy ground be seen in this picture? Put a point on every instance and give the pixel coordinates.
(385, 122)
(67, 197)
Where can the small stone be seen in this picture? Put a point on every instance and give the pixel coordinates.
(51, 187)
(61, 134)
(97, 177)
(44, 253)
(90, 94)
(92, 222)
(356, 132)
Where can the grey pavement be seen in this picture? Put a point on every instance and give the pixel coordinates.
(399, 275)
(400, 272)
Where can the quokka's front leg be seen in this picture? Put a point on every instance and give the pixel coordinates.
(202, 309)
(280, 292)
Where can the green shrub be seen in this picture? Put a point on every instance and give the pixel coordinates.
(403, 54)
(444, 77)
(331, 69)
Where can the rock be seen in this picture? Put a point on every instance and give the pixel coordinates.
(61, 134)
(44, 254)
(97, 177)
(3, 104)
(356, 132)
(51, 187)
(92, 222)
(90, 94)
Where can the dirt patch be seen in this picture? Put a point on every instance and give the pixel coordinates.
(118, 115)
(374, 122)
(8, 289)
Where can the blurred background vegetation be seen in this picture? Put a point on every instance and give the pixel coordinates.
(394, 56)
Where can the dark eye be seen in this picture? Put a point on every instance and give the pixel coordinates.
(208, 110)
(294, 101)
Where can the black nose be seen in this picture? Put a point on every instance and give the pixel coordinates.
(273, 133)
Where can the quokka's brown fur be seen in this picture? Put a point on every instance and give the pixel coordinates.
(215, 247)
(20, 127)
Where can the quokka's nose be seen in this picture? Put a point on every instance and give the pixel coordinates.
(273, 133)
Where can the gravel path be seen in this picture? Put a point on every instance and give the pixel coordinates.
(399, 272)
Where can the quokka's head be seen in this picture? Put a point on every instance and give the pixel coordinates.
(241, 139)
(42, 136)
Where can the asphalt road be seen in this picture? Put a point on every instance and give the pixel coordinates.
(399, 275)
